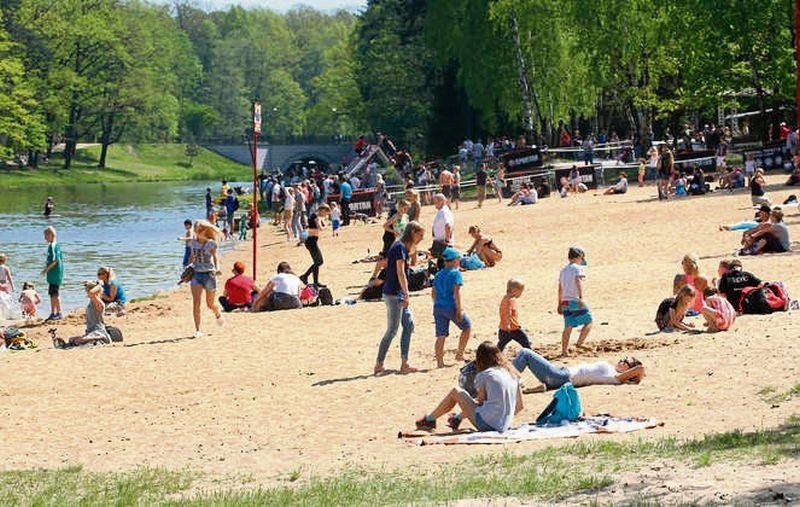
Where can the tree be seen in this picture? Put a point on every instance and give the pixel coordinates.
(21, 124)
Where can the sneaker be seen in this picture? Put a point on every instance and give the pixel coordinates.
(50, 317)
(454, 421)
(425, 424)
(56, 316)
(198, 334)
(304, 279)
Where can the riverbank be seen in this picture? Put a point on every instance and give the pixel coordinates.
(282, 398)
(128, 163)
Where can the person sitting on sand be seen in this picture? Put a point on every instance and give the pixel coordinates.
(717, 311)
(671, 311)
(96, 332)
(484, 247)
(499, 396)
(773, 238)
(627, 371)
(620, 188)
(239, 291)
(526, 195)
(281, 293)
(691, 276)
(373, 291)
(113, 294)
(732, 279)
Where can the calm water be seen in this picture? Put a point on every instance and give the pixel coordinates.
(132, 227)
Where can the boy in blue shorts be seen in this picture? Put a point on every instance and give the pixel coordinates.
(446, 294)
(571, 304)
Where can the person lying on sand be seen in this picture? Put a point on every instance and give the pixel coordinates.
(627, 371)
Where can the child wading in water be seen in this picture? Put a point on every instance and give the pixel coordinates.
(570, 299)
(446, 294)
(6, 281)
(28, 300)
(510, 328)
(54, 269)
(671, 311)
(206, 268)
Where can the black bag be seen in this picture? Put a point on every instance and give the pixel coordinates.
(418, 279)
(115, 333)
(324, 296)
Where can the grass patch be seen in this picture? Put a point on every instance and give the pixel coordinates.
(144, 162)
(772, 395)
(550, 474)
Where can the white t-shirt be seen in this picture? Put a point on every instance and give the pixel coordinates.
(501, 397)
(276, 192)
(592, 373)
(443, 217)
(568, 278)
(286, 283)
(288, 204)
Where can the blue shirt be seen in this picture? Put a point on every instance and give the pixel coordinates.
(443, 283)
(346, 190)
(121, 299)
(398, 251)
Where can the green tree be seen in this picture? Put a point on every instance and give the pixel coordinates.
(21, 124)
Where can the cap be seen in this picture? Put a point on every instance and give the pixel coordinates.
(450, 254)
(238, 266)
(764, 207)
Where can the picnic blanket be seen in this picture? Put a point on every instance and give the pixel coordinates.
(591, 424)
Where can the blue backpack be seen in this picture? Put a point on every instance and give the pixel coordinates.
(566, 406)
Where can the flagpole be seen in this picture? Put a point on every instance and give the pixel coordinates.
(256, 130)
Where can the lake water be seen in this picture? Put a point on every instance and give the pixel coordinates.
(132, 227)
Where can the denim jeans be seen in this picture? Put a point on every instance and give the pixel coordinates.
(551, 376)
(396, 315)
(297, 226)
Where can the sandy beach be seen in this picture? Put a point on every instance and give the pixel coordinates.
(271, 393)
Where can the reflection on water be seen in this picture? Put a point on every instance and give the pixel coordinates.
(132, 227)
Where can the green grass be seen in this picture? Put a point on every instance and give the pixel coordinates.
(143, 162)
(550, 474)
(772, 395)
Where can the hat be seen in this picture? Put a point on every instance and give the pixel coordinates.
(450, 254)
(764, 207)
(575, 251)
(238, 266)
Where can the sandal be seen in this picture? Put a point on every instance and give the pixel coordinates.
(454, 421)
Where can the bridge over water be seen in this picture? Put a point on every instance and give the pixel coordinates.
(284, 155)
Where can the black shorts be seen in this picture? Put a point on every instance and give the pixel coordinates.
(456, 192)
(446, 191)
(52, 290)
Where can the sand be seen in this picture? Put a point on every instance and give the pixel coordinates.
(273, 393)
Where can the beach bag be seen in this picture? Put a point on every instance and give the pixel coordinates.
(418, 279)
(772, 297)
(472, 262)
(566, 406)
(186, 275)
(466, 378)
(324, 295)
(309, 296)
(115, 333)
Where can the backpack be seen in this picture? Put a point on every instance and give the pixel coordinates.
(309, 296)
(472, 262)
(566, 406)
(418, 279)
(324, 295)
(772, 297)
(115, 333)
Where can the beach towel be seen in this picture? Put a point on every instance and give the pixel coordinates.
(587, 425)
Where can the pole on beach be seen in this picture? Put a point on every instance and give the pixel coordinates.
(256, 131)
(797, 57)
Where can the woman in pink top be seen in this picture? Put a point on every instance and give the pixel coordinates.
(691, 276)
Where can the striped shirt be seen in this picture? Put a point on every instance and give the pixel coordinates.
(724, 311)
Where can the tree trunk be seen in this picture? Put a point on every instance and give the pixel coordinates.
(524, 87)
(107, 125)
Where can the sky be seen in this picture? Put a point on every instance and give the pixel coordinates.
(283, 5)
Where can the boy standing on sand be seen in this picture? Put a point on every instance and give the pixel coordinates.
(570, 299)
(55, 273)
(446, 294)
(510, 328)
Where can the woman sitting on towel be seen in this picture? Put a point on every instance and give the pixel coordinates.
(499, 395)
(628, 370)
(484, 247)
